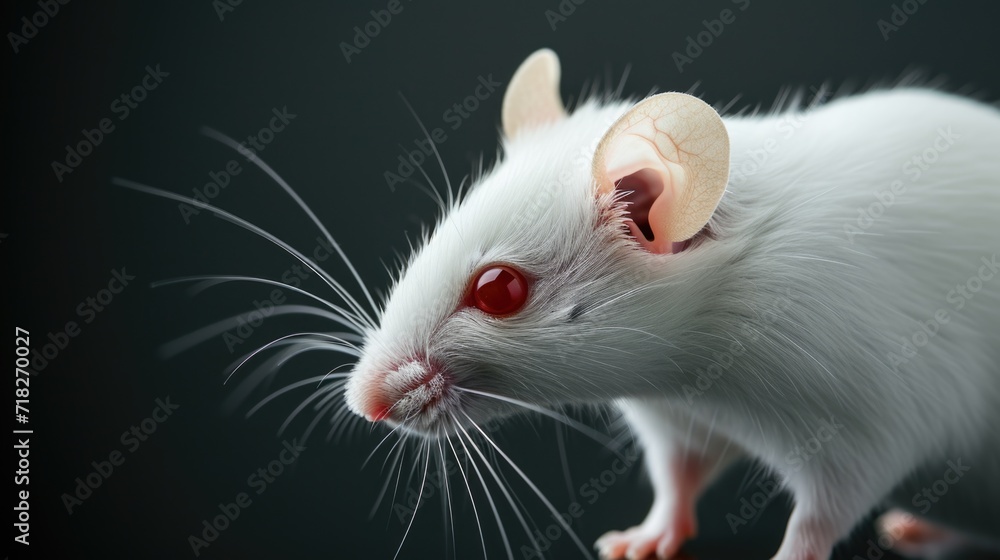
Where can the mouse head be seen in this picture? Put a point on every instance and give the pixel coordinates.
(536, 289)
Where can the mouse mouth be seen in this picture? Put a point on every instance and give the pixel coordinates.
(416, 393)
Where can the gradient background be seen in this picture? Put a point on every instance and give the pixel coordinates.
(63, 239)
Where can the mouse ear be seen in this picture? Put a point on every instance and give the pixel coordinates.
(532, 97)
(671, 151)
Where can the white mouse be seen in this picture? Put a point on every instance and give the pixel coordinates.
(735, 285)
(817, 289)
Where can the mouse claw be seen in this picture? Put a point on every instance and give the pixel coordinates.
(641, 542)
(914, 537)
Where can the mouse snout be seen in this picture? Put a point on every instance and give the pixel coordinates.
(410, 389)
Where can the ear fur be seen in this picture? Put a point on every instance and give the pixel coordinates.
(532, 98)
(672, 152)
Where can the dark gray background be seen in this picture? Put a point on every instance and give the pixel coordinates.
(65, 238)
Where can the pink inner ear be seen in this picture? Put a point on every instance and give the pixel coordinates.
(645, 186)
(641, 190)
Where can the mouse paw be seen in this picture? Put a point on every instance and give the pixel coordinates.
(649, 540)
(911, 536)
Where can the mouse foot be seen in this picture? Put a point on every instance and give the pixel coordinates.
(911, 536)
(655, 538)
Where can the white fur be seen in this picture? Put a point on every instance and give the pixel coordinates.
(799, 316)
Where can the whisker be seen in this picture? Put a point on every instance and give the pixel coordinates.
(220, 137)
(503, 489)
(334, 370)
(340, 423)
(213, 330)
(323, 407)
(265, 370)
(284, 390)
(387, 436)
(229, 217)
(431, 191)
(399, 474)
(385, 487)
(437, 154)
(346, 345)
(517, 498)
(489, 497)
(564, 459)
(621, 84)
(259, 374)
(324, 346)
(396, 445)
(446, 495)
(559, 519)
(208, 281)
(603, 439)
(332, 391)
(420, 495)
(472, 499)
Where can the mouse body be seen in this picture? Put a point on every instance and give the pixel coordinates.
(815, 289)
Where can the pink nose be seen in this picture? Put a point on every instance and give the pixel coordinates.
(378, 412)
(405, 391)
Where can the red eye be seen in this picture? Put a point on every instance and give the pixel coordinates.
(499, 290)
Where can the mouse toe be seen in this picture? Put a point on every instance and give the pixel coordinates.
(909, 535)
